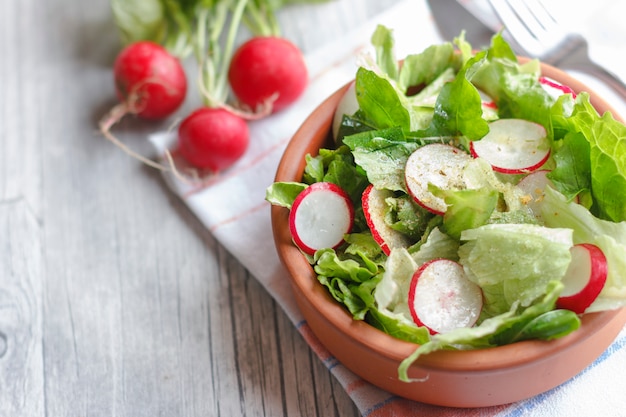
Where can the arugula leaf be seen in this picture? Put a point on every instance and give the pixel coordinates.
(572, 174)
(458, 109)
(380, 102)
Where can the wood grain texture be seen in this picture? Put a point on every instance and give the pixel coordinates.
(114, 300)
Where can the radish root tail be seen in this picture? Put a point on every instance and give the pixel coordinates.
(113, 117)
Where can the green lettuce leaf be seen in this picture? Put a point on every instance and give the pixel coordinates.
(522, 258)
(609, 236)
(370, 149)
(284, 193)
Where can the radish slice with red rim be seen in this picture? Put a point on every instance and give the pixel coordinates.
(437, 164)
(533, 186)
(320, 217)
(554, 88)
(373, 201)
(513, 146)
(584, 278)
(490, 108)
(348, 105)
(442, 298)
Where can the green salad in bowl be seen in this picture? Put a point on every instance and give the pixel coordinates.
(468, 201)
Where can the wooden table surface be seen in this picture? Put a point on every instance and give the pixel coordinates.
(114, 299)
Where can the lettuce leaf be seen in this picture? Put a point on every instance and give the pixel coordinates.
(387, 146)
(609, 236)
(520, 258)
(591, 160)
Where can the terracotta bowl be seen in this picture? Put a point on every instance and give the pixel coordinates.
(475, 378)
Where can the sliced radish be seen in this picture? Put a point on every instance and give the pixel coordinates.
(490, 108)
(437, 164)
(513, 146)
(554, 88)
(442, 298)
(373, 201)
(533, 185)
(320, 216)
(584, 279)
(348, 105)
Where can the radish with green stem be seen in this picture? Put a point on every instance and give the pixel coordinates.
(150, 83)
(213, 137)
(268, 71)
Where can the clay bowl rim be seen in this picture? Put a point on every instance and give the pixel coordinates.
(304, 281)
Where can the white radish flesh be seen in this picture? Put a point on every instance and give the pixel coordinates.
(554, 88)
(533, 185)
(348, 105)
(442, 298)
(437, 164)
(320, 217)
(373, 202)
(513, 146)
(490, 108)
(584, 279)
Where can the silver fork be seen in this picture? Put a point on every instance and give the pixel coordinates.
(538, 33)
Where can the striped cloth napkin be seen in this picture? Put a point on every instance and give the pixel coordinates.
(234, 209)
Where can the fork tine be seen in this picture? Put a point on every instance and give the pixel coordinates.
(527, 17)
(543, 15)
(531, 25)
(508, 16)
(515, 26)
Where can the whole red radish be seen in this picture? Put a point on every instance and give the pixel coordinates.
(149, 80)
(212, 138)
(267, 68)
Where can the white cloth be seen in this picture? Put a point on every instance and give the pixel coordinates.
(234, 209)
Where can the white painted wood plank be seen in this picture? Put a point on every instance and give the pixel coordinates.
(114, 300)
(21, 280)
